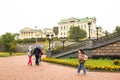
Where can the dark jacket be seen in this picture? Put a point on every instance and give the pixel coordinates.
(36, 51)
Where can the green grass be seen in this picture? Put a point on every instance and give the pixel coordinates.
(93, 62)
(6, 54)
(100, 62)
(69, 59)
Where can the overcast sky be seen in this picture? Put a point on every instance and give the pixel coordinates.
(18, 14)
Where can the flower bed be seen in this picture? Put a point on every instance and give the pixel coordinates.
(88, 66)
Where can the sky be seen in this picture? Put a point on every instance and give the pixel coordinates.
(18, 14)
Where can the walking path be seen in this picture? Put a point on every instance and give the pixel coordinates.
(16, 68)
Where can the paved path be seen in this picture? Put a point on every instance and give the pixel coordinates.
(16, 68)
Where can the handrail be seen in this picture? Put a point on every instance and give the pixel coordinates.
(70, 47)
(100, 41)
(77, 45)
(106, 38)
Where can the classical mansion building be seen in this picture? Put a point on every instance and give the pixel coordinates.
(88, 24)
(34, 33)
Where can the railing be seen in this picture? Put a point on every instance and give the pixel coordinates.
(77, 45)
(69, 47)
(100, 41)
(106, 38)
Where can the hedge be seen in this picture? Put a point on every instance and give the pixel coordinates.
(89, 67)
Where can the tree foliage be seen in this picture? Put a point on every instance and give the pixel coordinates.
(8, 40)
(77, 33)
(30, 40)
(55, 30)
(117, 29)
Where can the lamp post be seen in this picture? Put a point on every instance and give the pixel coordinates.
(63, 39)
(49, 37)
(97, 31)
(89, 23)
(36, 34)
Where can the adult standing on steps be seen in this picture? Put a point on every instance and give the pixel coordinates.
(82, 57)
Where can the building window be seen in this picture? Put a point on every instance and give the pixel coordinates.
(64, 33)
(61, 27)
(85, 26)
(67, 27)
(82, 26)
(61, 33)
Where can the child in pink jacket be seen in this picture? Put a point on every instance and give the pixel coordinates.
(30, 55)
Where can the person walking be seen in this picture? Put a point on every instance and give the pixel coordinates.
(30, 55)
(41, 53)
(37, 53)
(82, 57)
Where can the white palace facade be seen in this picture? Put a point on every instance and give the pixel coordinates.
(63, 28)
(34, 33)
(65, 24)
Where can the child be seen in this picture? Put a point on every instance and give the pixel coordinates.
(30, 55)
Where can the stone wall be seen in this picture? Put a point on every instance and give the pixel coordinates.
(24, 47)
(70, 55)
(112, 49)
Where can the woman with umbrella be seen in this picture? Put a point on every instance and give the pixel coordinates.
(38, 53)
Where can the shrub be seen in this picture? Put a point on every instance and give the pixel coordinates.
(89, 65)
(116, 62)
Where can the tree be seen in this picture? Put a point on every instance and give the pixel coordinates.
(8, 40)
(77, 33)
(117, 29)
(55, 30)
(106, 33)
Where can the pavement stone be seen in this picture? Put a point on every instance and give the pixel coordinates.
(16, 68)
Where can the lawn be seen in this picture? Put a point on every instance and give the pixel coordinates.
(7, 54)
(94, 62)
(100, 62)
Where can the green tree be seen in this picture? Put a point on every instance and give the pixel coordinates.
(28, 40)
(8, 40)
(0, 40)
(77, 33)
(117, 29)
(55, 30)
(106, 33)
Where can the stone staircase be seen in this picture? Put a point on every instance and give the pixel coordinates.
(105, 40)
(69, 49)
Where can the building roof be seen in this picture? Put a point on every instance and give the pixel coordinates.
(47, 30)
(27, 29)
(72, 19)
